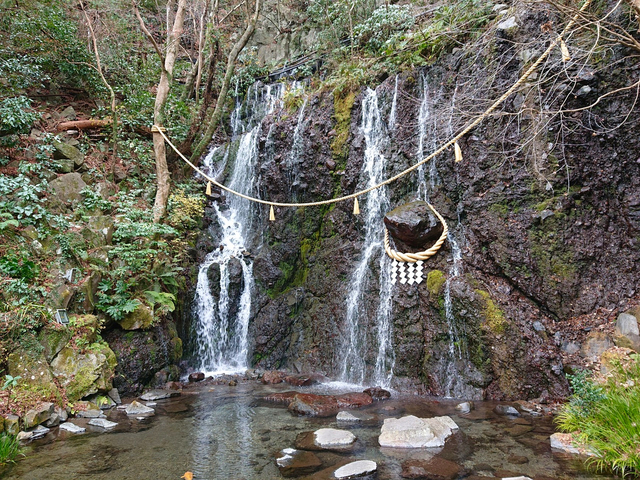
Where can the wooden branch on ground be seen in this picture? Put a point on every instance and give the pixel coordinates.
(84, 124)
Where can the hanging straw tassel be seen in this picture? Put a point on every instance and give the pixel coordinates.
(209, 189)
(356, 207)
(565, 51)
(458, 152)
(272, 215)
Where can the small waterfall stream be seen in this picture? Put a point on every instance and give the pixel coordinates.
(356, 342)
(222, 323)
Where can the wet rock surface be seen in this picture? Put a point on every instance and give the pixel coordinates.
(413, 223)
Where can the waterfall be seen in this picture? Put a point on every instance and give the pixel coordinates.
(221, 325)
(355, 339)
(392, 114)
(427, 140)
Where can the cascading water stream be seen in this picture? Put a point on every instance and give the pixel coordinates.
(450, 369)
(394, 103)
(427, 140)
(355, 341)
(222, 324)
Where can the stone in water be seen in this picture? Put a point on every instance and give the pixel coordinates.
(332, 437)
(414, 432)
(102, 423)
(356, 469)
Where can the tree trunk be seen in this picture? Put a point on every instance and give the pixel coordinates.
(162, 171)
(212, 124)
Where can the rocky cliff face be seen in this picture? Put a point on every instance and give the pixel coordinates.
(545, 209)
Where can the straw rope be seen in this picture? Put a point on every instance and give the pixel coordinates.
(414, 257)
(405, 257)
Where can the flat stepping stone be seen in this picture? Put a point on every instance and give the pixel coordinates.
(102, 422)
(72, 427)
(356, 469)
(294, 463)
(39, 432)
(137, 408)
(154, 395)
(89, 413)
(333, 437)
(414, 432)
(348, 417)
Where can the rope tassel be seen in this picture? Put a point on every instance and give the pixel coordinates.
(356, 207)
(458, 152)
(565, 51)
(209, 189)
(272, 215)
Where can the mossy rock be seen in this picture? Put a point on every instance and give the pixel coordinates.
(435, 280)
(83, 374)
(89, 325)
(34, 372)
(175, 353)
(494, 318)
(53, 338)
(140, 319)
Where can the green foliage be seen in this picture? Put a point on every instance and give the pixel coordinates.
(605, 417)
(116, 302)
(44, 39)
(161, 301)
(21, 198)
(9, 222)
(93, 201)
(385, 21)
(185, 209)
(18, 267)
(336, 17)
(10, 381)
(16, 115)
(248, 70)
(10, 448)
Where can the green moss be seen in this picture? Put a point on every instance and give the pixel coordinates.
(499, 209)
(342, 105)
(494, 317)
(435, 281)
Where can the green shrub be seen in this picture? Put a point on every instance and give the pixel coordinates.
(605, 417)
(10, 448)
(16, 115)
(381, 25)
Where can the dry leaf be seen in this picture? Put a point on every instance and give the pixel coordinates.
(187, 476)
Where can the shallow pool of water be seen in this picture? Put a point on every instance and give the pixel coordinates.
(230, 433)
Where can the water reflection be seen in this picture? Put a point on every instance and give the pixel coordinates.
(225, 432)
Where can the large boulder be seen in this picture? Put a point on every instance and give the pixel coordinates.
(413, 223)
(34, 371)
(69, 156)
(414, 432)
(54, 338)
(66, 188)
(83, 374)
(38, 415)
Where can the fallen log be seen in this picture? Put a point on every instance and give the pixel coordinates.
(96, 124)
(84, 124)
